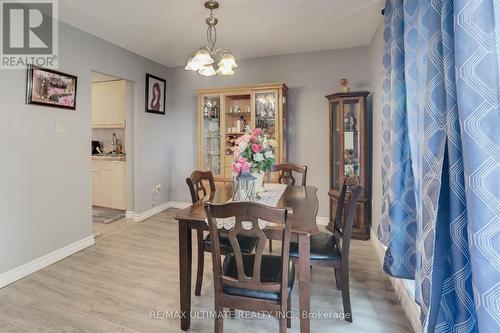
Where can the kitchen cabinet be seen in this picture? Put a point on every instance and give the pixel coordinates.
(109, 184)
(108, 104)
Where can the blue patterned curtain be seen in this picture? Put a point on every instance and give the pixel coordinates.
(441, 158)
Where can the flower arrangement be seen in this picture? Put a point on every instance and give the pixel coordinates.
(254, 152)
(344, 84)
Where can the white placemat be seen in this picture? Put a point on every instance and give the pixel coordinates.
(270, 197)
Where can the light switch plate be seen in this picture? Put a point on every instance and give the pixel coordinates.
(59, 128)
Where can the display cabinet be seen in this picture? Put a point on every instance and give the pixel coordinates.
(211, 129)
(350, 153)
(226, 114)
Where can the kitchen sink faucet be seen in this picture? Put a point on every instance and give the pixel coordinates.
(113, 143)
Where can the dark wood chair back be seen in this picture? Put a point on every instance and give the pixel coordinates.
(348, 184)
(286, 172)
(247, 215)
(196, 186)
(343, 234)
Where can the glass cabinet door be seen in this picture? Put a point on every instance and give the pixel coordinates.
(266, 111)
(335, 115)
(212, 133)
(351, 149)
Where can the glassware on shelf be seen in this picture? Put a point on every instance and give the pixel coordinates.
(211, 133)
(265, 112)
(336, 139)
(351, 138)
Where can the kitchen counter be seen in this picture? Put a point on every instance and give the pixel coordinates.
(119, 157)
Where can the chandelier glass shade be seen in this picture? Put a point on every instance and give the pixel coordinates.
(209, 60)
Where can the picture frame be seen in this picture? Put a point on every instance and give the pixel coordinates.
(155, 98)
(48, 87)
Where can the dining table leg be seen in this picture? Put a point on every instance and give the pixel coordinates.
(185, 260)
(304, 282)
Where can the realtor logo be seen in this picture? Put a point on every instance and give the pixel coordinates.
(29, 33)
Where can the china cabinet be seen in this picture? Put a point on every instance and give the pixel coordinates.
(350, 153)
(227, 113)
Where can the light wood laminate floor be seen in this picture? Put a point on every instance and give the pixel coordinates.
(132, 270)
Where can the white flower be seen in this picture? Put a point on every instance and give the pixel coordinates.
(258, 157)
(242, 146)
(268, 154)
(272, 143)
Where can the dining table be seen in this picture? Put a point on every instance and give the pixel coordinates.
(303, 202)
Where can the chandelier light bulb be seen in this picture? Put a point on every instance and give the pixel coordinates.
(207, 70)
(223, 70)
(202, 57)
(227, 60)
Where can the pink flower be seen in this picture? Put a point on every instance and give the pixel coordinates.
(236, 167)
(240, 166)
(257, 131)
(257, 148)
(244, 138)
(245, 167)
(253, 138)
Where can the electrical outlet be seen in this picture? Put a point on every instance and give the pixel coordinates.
(157, 188)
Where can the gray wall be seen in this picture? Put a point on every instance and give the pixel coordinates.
(45, 179)
(310, 76)
(376, 52)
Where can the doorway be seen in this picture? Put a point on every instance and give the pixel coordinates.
(111, 104)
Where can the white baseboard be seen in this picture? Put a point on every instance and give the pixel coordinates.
(411, 309)
(321, 220)
(179, 204)
(48, 259)
(139, 217)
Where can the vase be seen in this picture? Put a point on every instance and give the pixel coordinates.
(244, 187)
(259, 185)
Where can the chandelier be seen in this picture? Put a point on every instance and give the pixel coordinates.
(208, 60)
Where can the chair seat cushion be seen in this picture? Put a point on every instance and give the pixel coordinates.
(270, 271)
(323, 247)
(247, 244)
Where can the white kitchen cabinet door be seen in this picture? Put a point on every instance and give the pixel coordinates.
(108, 104)
(118, 197)
(109, 184)
(101, 195)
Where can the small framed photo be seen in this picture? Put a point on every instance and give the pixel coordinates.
(51, 88)
(155, 94)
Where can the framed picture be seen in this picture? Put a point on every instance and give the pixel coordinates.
(51, 88)
(155, 94)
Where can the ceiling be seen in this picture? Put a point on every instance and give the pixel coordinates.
(168, 31)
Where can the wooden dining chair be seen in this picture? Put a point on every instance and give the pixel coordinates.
(196, 183)
(251, 282)
(286, 171)
(332, 249)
